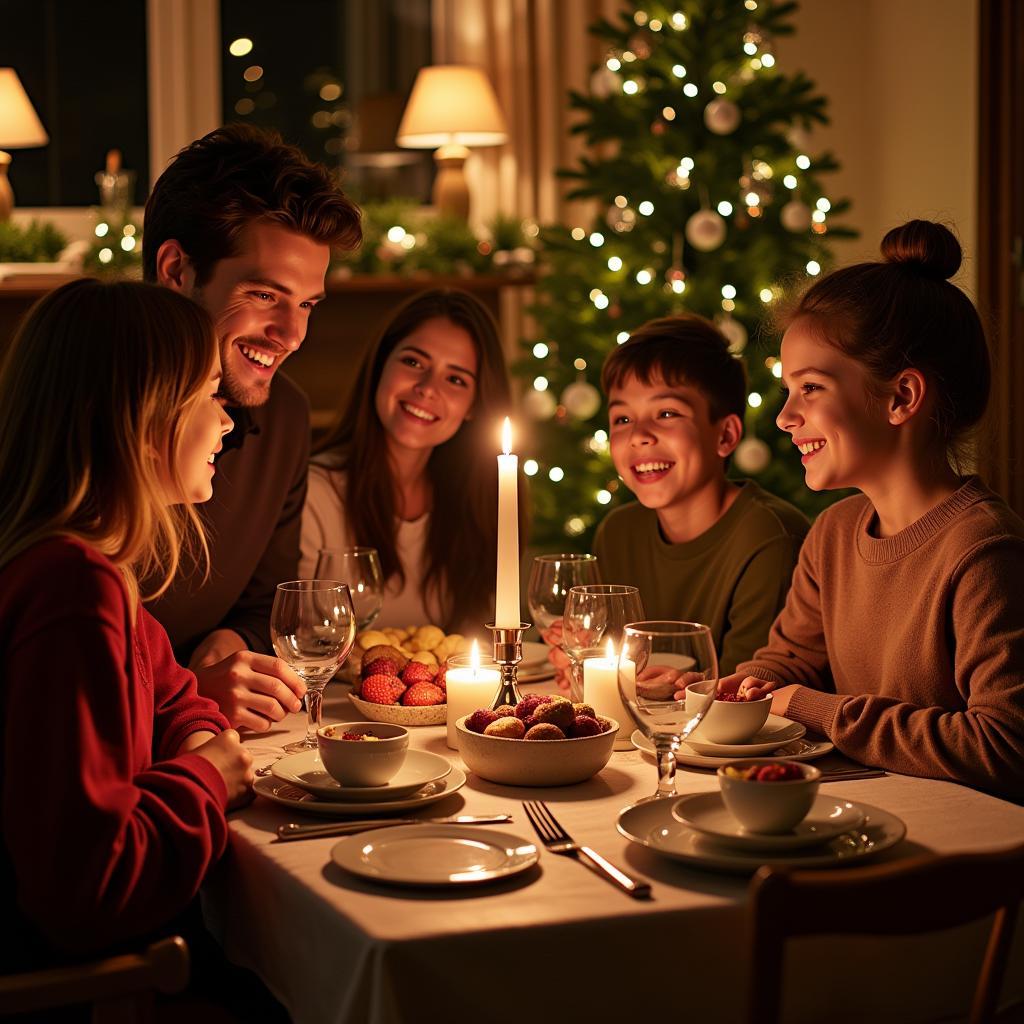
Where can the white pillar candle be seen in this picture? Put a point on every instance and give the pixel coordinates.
(469, 688)
(506, 592)
(601, 691)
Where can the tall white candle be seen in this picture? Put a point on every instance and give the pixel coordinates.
(601, 691)
(469, 688)
(506, 592)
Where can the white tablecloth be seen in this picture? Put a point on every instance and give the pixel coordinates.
(559, 943)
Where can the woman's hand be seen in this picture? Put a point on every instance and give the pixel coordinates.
(747, 687)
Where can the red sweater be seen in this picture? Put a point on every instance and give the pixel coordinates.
(107, 834)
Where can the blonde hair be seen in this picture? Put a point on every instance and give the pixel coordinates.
(93, 393)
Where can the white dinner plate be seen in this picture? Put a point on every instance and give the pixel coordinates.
(651, 824)
(307, 771)
(434, 855)
(796, 750)
(828, 817)
(295, 799)
(776, 732)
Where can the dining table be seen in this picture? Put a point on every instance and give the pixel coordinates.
(557, 942)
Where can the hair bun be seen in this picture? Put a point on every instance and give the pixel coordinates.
(926, 246)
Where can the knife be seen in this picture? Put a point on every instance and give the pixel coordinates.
(346, 828)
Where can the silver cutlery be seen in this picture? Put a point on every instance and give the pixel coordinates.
(557, 840)
(346, 828)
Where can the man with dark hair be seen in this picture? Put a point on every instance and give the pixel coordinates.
(245, 225)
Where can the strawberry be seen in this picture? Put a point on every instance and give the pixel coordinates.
(380, 689)
(380, 667)
(422, 695)
(416, 672)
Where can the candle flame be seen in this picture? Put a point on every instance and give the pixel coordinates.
(474, 658)
(506, 437)
(610, 650)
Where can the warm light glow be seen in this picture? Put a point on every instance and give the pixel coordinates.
(754, 400)
(530, 467)
(646, 208)
(725, 207)
(330, 92)
(597, 239)
(578, 234)
(240, 47)
(556, 473)
(767, 60)
(101, 229)
(474, 651)
(451, 104)
(506, 436)
(540, 384)
(610, 650)
(668, 113)
(622, 337)
(613, 64)
(614, 263)
(728, 291)
(690, 89)
(678, 70)
(396, 233)
(823, 204)
(719, 87)
(789, 181)
(766, 295)
(803, 162)
(643, 277)
(813, 268)
(253, 73)
(630, 87)
(580, 363)
(540, 350)
(777, 370)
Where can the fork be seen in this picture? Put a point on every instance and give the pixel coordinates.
(557, 840)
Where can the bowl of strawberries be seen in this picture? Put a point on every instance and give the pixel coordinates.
(398, 689)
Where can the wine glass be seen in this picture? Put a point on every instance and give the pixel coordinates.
(551, 578)
(658, 660)
(359, 567)
(312, 626)
(594, 614)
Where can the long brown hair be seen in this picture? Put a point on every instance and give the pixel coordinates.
(462, 539)
(903, 312)
(93, 393)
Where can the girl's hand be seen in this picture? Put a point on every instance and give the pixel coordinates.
(748, 687)
(226, 753)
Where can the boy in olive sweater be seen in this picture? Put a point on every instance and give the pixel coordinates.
(698, 546)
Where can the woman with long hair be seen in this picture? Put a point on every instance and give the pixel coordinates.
(116, 773)
(410, 467)
(901, 637)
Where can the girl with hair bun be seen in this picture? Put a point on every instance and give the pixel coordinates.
(115, 773)
(902, 638)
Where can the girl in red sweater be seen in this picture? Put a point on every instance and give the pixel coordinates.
(116, 774)
(902, 638)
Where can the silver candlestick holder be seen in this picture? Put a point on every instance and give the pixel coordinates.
(508, 652)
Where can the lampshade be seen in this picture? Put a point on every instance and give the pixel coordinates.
(20, 128)
(451, 104)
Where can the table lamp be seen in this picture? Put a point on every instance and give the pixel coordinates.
(20, 128)
(451, 108)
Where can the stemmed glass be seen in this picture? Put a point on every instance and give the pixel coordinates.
(657, 662)
(312, 626)
(359, 567)
(594, 614)
(551, 579)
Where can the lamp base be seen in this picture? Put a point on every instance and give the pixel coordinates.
(6, 192)
(451, 192)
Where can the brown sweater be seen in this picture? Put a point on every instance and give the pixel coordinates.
(909, 650)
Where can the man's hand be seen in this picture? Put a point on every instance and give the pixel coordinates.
(748, 687)
(252, 690)
(216, 647)
(226, 753)
(552, 636)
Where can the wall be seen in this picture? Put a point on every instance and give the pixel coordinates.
(901, 77)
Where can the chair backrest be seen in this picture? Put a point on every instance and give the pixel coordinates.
(906, 897)
(120, 988)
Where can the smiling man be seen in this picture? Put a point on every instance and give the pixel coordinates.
(245, 226)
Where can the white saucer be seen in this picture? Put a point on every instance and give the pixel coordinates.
(306, 770)
(828, 817)
(535, 667)
(775, 732)
(296, 799)
(434, 855)
(651, 824)
(796, 750)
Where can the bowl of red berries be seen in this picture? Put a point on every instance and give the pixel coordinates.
(768, 797)
(541, 741)
(731, 718)
(399, 690)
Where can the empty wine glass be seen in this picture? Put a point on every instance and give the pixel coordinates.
(658, 660)
(312, 626)
(359, 567)
(551, 578)
(594, 614)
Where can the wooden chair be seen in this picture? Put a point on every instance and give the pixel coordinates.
(904, 898)
(120, 988)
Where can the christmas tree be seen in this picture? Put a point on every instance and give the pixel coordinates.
(710, 201)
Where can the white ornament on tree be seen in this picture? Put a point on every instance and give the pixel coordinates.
(799, 138)
(752, 455)
(705, 230)
(621, 219)
(540, 405)
(722, 116)
(795, 216)
(735, 333)
(603, 82)
(581, 400)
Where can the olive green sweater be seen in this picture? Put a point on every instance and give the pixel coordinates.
(909, 650)
(733, 577)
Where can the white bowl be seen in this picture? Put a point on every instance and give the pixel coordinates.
(399, 714)
(362, 762)
(726, 721)
(534, 762)
(769, 808)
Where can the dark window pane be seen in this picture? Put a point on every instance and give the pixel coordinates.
(83, 66)
(332, 77)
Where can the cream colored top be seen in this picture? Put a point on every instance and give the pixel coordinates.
(325, 525)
